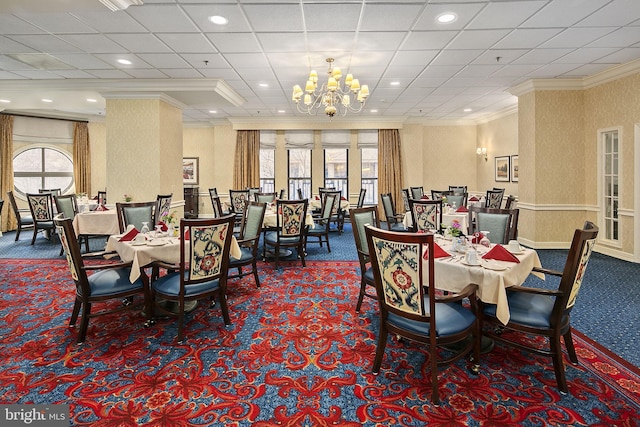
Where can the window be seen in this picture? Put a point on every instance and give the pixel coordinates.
(42, 167)
(299, 172)
(336, 170)
(610, 179)
(369, 174)
(267, 161)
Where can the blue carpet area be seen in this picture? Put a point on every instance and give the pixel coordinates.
(607, 310)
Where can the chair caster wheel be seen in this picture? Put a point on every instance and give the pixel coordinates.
(149, 323)
(498, 330)
(475, 369)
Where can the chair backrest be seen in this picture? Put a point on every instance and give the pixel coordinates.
(14, 205)
(361, 217)
(458, 189)
(67, 205)
(135, 213)
(573, 274)
(213, 192)
(509, 203)
(163, 206)
(72, 253)
(397, 263)
(416, 192)
(252, 220)
(300, 194)
(439, 194)
(217, 206)
(502, 224)
(281, 195)
(426, 215)
(493, 198)
(102, 197)
(338, 196)
(204, 256)
(458, 199)
(388, 206)
(361, 196)
(41, 206)
(329, 201)
(53, 191)
(406, 195)
(253, 191)
(239, 199)
(266, 197)
(291, 218)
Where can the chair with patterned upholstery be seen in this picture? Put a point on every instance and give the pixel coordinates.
(201, 273)
(252, 192)
(238, 200)
(248, 240)
(322, 223)
(360, 217)
(290, 230)
(493, 199)
(394, 220)
(406, 195)
(337, 213)
(426, 215)
(54, 191)
(41, 206)
(411, 308)
(109, 282)
(163, 207)
(545, 311)
(439, 194)
(23, 216)
(502, 224)
(135, 213)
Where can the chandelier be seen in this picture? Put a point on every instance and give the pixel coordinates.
(331, 94)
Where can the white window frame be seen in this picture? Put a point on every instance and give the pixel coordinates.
(65, 153)
(602, 219)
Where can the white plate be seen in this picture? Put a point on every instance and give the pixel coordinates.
(520, 252)
(157, 242)
(134, 243)
(478, 264)
(493, 265)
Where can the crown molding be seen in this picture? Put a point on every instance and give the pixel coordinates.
(609, 75)
(315, 122)
(512, 109)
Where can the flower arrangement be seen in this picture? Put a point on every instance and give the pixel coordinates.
(127, 197)
(454, 229)
(169, 218)
(444, 200)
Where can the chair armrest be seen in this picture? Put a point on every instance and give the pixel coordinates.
(247, 243)
(100, 254)
(538, 291)
(547, 271)
(451, 297)
(162, 264)
(106, 266)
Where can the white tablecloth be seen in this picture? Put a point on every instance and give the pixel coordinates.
(452, 275)
(317, 204)
(143, 255)
(447, 219)
(103, 223)
(271, 219)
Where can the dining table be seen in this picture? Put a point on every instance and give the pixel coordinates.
(315, 203)
(448, 218)
(156, 247)
(493, 277)
(96, 223)
(271, 218)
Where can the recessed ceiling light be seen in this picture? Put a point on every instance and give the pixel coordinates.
(374, 111)
(264, 85)
(467, 110)
(281, 111)
(91, 100)
(124, 61)
(46, 100)
(219, 20)
(394, 83)
(213, 111)
(5, 101)
(447, 18)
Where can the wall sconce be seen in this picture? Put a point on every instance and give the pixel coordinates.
(482, 152)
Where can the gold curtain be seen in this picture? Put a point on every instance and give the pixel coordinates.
(390, 167)
(81, 158)
(8, 220)
(246, 171)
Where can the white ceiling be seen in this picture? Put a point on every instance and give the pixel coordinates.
(73, 45)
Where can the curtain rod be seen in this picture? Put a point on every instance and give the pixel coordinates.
(42, 117)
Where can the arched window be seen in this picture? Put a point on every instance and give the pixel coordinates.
(37, 167)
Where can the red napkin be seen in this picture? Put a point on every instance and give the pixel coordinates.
(438, 252)
(102, 208)
(425, 197)
(462, 209)
(501, 254)
(473, 199)
(317, 198)
(476, 239)
(186, 234)
(131, 234)
(343, 198)
(163, 226)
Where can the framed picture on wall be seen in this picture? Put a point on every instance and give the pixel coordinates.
(514, 168)
(190, 170)
(502, 168)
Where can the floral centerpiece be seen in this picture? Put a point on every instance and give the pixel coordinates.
(127, 197)
(170, 219)
(453, 230)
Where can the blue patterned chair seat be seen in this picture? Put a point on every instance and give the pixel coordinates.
(170, 285)
(245, 255)
(272, 237)
(451, 318)
(108, 282)
(527, 309)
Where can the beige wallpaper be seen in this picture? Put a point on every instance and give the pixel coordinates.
(500, 138)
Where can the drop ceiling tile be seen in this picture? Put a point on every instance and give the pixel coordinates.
(416, 57)
(587, 70)
(617, 12)
(282, 42)
(10, 46)
(506, 56)
(465, 13)
(213, 60)
(200, 15)
(64, 23)
(541, 56)
(74, 74)
(11, 24)
(577, 37)
(105, 21)
(585, 55)
(235, 42)
(478, 70)
(403, 72)
(182, 73)
(95, 43)
(148, 43)
(37, 74)
(441, 71)
(246, 60)
(428, 39)
(83, 61)
(164, 60)
(335, 44)
(621, 56)
(226, 74)
(563, 13)
(505, 14)
(336, 17)
(526, 38)
(109, 74)
(187, 43)
(112, 59)
(45, 43)
(5, 75)
(388, 17)
(514, 70)
(477, 39)
(154, 18)
(551, 71)
(376, 41)
(275, 17)
(623, 37)
(456, 57)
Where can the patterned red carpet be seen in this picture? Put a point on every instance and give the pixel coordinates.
(296, 354)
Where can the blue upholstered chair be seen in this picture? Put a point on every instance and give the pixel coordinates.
(322, 223)
(360, 217)
(135, 213)
(416, 192)
(411, 307)
(545, 312)
(502, 224)
(109, 282)
(23, 216)
(394, 220)
(248, 240)
(290, 230)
